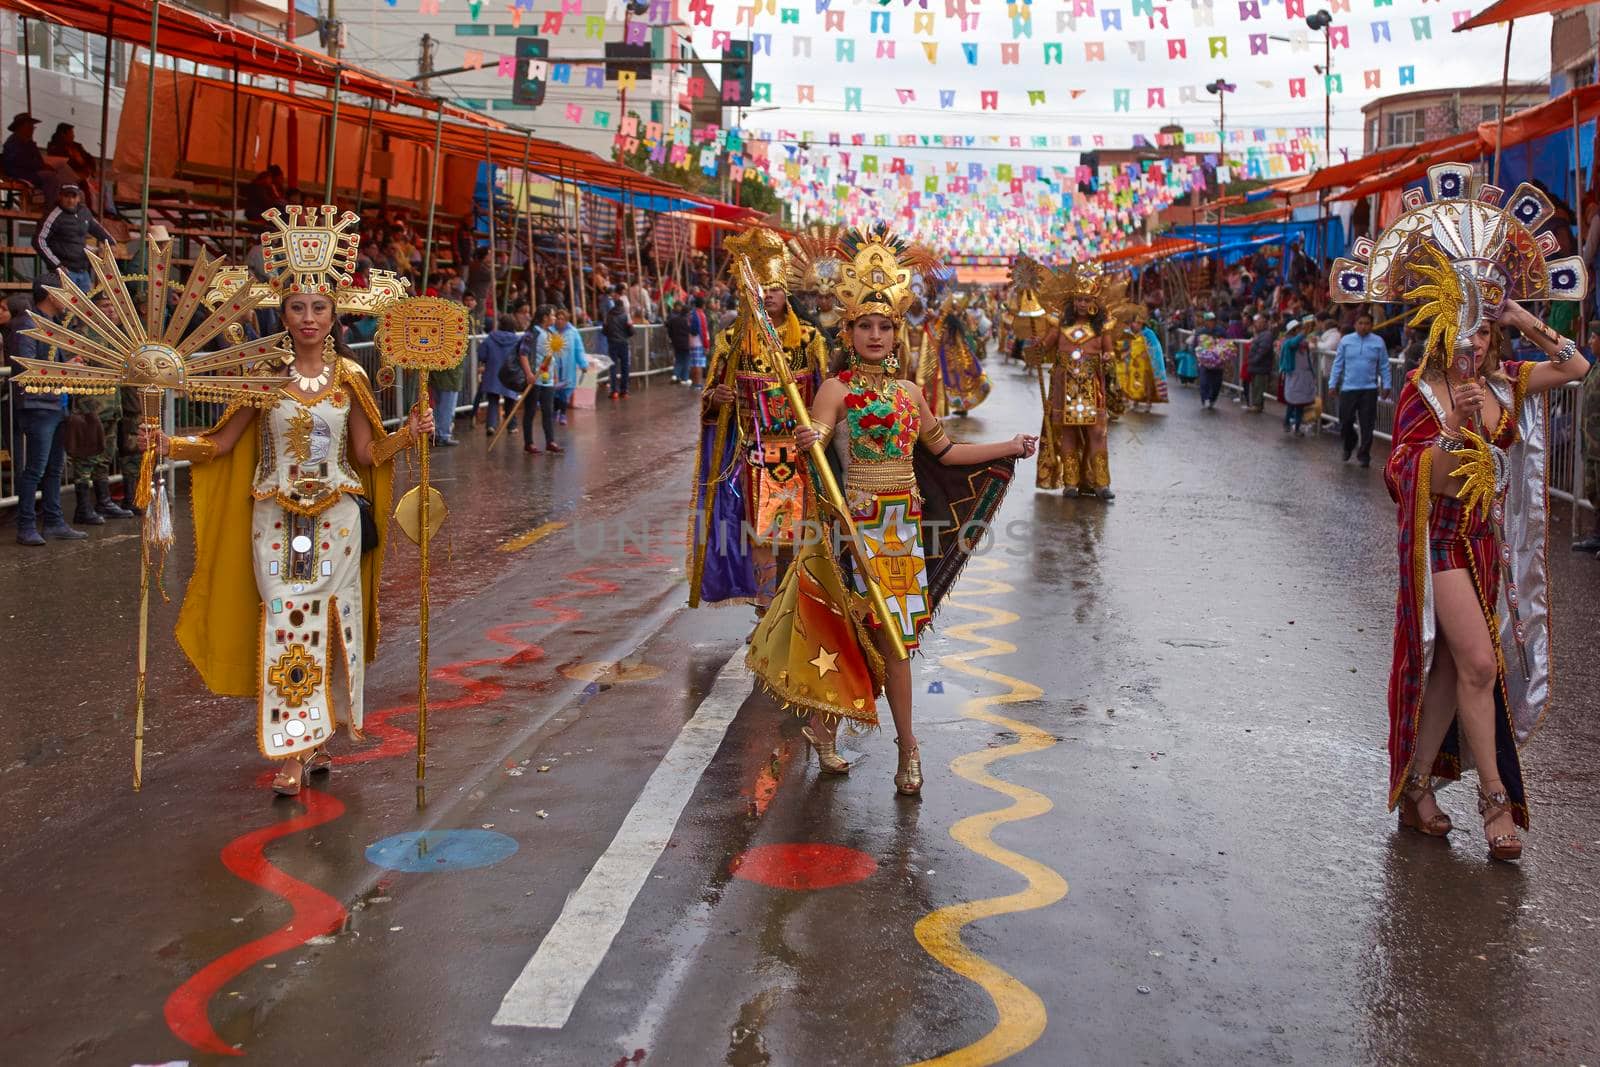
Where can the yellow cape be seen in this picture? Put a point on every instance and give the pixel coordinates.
(219, 626)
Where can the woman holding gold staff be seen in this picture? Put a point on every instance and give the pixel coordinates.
(285, 584)
(819, 647)
(1470, 472)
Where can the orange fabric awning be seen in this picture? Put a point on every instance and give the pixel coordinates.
(187, 34)
(1506, 10)
(1547, 118)
(1355, 170)
(1156, 249)
(1416, 161)
(206, 113)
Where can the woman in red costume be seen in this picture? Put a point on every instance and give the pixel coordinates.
(1469, 471)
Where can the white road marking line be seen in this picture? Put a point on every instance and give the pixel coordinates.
(548, 988)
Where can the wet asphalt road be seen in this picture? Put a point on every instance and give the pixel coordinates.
(1200, 671)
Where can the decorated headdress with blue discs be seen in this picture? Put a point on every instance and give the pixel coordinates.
(1460, 257)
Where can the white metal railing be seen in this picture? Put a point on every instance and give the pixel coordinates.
(651, 354)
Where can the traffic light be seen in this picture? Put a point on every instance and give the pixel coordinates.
(737, 74)
(526, 90)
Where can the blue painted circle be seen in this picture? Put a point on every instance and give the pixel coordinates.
(441, 850)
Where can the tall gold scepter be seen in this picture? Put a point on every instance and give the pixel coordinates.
(136, 345)
(422, 333)
(768, 335)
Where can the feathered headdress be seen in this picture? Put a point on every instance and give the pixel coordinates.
(1462, 257)
(876, 273)
(814, 261)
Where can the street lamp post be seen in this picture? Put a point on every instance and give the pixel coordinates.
(1220, 89)
(1321, 20)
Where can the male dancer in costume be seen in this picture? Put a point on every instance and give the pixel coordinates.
(751, 490)
(1074, 455)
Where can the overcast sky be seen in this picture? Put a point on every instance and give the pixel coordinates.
(1262, 98)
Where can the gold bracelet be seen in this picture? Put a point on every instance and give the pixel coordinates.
(385, 450)
(824, 434)
(191, 448)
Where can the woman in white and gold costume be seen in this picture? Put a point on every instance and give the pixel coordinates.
(284, 592)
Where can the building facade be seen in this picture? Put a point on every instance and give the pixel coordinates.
(1402, 119)
(1572, 48)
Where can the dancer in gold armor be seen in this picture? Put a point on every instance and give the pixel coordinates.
(1076, 407)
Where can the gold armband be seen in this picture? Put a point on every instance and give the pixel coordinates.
(824, 434)
(935, 438)
(191, 448)
(399, 441)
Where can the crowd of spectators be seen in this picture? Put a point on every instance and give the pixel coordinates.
(1292, 343)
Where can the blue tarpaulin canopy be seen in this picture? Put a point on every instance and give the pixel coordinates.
(1307, 231)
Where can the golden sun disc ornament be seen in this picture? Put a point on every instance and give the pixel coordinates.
(423, 333)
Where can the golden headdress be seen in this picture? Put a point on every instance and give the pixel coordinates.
(312, 251)
(1462, 258)
(767, 253)
(1079, 280)
(876, 275)
(814, 258)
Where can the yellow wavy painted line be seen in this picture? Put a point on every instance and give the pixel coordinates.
(1022, 1014)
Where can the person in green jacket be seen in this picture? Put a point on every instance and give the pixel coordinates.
(444, 387)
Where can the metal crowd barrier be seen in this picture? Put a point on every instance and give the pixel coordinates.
(651, 353)
(1566, 420)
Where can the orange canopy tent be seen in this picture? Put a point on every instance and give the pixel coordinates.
(1415, 163)
(1507, 10)
(1132, 255)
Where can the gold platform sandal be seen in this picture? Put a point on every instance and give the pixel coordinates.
(908, 776)
(827, 753)
(1418, 787)
(1507, 848)
(284, 785)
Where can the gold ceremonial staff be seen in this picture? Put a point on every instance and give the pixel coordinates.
(819, 457)
(422, 333)
(125, 346)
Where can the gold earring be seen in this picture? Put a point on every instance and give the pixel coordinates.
(329, 351)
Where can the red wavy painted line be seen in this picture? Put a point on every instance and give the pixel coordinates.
(315, 913)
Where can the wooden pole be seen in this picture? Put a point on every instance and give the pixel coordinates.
(233, 167)
(566, 234)
(333, 135)
(1505, 82)
(433, 194)
(1577, 218)
(489, 181)
(149, 119)
(518, 214)
(527, 228)
(105, 114)
(366, 148)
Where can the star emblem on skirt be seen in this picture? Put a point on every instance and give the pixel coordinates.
(825, 662)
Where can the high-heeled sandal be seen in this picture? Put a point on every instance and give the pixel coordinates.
(1503, 847)
(319, 762)
(908, 775)
(285, 788)
(827, 753)
(1417, 787)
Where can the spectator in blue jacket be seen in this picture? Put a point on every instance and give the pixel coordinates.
(1359, 376)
